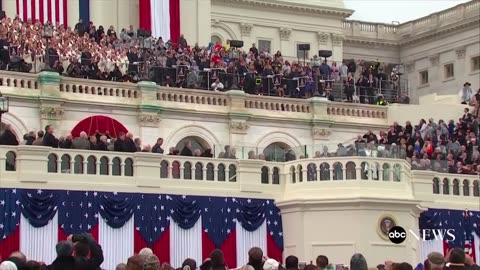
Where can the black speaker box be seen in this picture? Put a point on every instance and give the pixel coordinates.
(144, 33)
(324, 53)
(236, 43)
(304, 47)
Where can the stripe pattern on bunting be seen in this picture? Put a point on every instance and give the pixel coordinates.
(54, 11)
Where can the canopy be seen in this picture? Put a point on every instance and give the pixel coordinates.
(99, 123)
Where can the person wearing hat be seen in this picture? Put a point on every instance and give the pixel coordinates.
(270, 264)
(466, 93)
(435, 261)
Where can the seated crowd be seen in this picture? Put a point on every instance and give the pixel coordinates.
(83, 252)
(96, 53)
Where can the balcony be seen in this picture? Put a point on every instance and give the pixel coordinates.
(51, 86)
(321, 179)
(463, 13)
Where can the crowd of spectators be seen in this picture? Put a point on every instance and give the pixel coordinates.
(103, 54)
(82, 252)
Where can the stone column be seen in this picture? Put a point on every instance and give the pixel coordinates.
(461, 69)
(148, 116)
(322, 40)
(337, 48)
(285, 45)
(434, 76)
(246, 30)
(320, 125)
(238, 124)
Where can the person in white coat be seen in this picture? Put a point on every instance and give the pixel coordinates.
(217, 85)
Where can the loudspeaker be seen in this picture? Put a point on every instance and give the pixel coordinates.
(324, 53)
(144, 33)
(236, 43)
(303, 47)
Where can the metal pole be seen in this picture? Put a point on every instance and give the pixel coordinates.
(47, 56)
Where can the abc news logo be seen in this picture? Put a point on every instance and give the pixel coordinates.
(398, 235)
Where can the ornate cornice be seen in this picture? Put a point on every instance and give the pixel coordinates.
(337, 40)
(288, 7)
(285, 34)
(239, 127)
(368, 42)
(246, 29)
(51, 113)
(461, 51)
(322, 38)
(148, 120)
(319, 133)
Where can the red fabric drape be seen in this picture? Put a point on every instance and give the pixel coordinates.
(174, 20)
(161, 248)
(144, 15)
(273, 251)
(100, 123)
(10, 244)
(229, 248)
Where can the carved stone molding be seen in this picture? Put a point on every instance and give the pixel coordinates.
(285, 33)
(322, 38)
(239, 127)
(319, 133)
(337, 40)
(149, 120)
(410, 66)
(51, 113)
(246, 29)
(434, 60)
(461, 52)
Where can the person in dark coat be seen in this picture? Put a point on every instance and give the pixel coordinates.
(120, 143)
(29, 138)
(49, 139)
(157, 148)
(130, 145)
(8, 137)
(187, 149)
(83, 245)
(64, 260)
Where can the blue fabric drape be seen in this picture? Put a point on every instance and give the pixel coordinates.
(185, 210)
(9, 211)
(218, 218)
(457, 220)
(84, 11)
(274, 222)
(116, 209)
(151, 216)
(77, 211)
(39, 207)
(251, 214)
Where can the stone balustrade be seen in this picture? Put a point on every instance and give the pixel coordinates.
(321, 178)
(48, 86)
(393, 32)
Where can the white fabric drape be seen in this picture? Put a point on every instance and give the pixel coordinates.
(39, 243)
(160, 14)
(430, 246)
(476, 242)
(246, 240)
(185, 243)
(117, 244)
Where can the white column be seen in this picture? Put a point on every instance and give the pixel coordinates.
(73, 12)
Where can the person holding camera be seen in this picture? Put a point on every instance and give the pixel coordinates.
(87, 252)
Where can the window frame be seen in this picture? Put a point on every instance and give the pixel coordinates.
(445, 72)
(420, 77)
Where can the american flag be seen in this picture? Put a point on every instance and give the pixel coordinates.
(54, 11)
(173, 226)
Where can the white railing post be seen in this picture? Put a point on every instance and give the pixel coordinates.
(32, 163)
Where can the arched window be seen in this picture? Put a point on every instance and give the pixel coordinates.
(456, 187)
(91, 165)
(198, 171)
(436, 186)
(176, 170)
(264, 175)
(104, 166)
(446, 186)
(276, 176)
(337, 171)
(196, 143)
(351, 170)
(312, 172)
(466, 188)
(324, 171)
(128, 167)
(78, 165)
(210, 174)
(232, 173)
(10, 161)
(386, 172)
(279, 152)
(52, 163)
(221, 172)
(187, 170)
(164, 169)
(475, 188)
(116, 166)
(65, 164)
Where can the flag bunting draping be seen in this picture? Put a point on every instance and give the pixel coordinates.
(80, 212)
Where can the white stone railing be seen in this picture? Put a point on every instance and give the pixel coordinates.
(320, 178)
(393, 32)
(51, 85)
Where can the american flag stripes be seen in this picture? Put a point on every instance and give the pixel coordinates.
(54, 11)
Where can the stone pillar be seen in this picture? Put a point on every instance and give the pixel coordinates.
(148, 116)
(249, 174)
(51, 110)
(320, 125)
(462, 68)
(285, 45)
(238, 124)
(49, 84)
(246, 30)
(145, 166)
(337, 48)
(32, 163)
(322, 40)
(434, 76)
